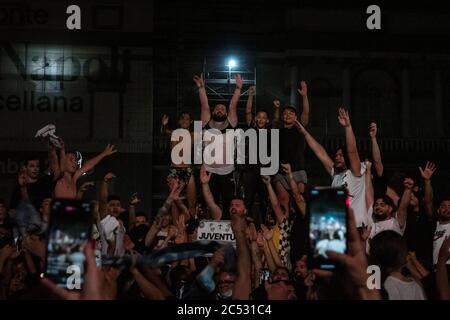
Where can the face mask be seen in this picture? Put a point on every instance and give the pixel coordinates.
(226, 295)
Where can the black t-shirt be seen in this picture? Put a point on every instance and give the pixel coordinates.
(37, 191)
(292, 149)
(258, 164)
(137, 235)
(418, 234)
(299, 238)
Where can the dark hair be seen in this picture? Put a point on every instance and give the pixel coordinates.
(386, 199)
(30, 158)
(282, 268)
(292, 108)
(230, 271)
(388, 250)
(141, 214)
(446, 198)
(263, 110)
(343, 148)
(112, 197)
(238, 197)
(2, 202)
(180, 115)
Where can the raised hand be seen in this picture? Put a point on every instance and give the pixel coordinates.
(165, 120)
(172, 232)
(427, 173)
(217, 259)
(199, 81)
(355, 261)
(239, 81)
(267, 233)
(109, 150)
(276, 103)
(252, 91)
(286, 168)
(303, 90)
(181, 223)
(204, 176)
(373, 130)
(134, 199)
(343, 117)
(368, 164)
(260, 239)
(86, 186)
(109, 176)
(266, 179)
(365, 233)
(94, 285)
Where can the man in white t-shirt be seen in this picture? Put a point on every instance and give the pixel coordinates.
(222, 182)
(346, 169)
(385, 216)
(113, 233)
(112, 228)
(442, 228)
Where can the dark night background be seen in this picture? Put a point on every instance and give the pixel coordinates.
(134, 61)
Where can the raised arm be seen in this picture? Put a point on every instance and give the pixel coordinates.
(53, 161)
(165, 125)
(62, 159)
(274, 200)
(376, 154)
(103, 201)
(84, 187)
(303, 90)
(352, 150)
(369, 185)
(298, 198)
(262, 243)
(249, 106)
(316, 147)
(216, 211)
(151, 234)
(426, 174)
(134, 202)
(254, 249)
(232, 110)
(91, 163)
(205, 115)
(404, 202)
(243, 286)
(276, 113)
(150, 290)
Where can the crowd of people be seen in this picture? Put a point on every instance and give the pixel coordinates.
(399, 228)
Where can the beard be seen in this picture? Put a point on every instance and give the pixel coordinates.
(219, 118)
(380, 216)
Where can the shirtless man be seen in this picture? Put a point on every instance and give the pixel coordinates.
(68, 172)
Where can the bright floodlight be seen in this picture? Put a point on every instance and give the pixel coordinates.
(232, 63)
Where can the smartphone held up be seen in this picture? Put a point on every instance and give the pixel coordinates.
(70, 229)
(328, 224)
